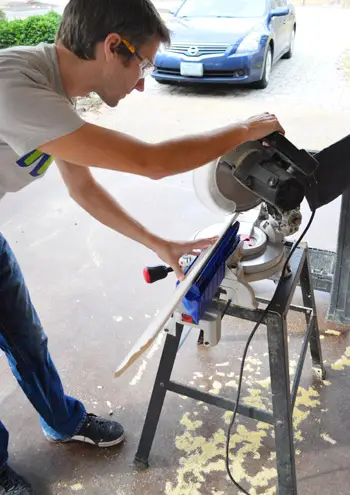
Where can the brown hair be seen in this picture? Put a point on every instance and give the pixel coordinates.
(85, 23)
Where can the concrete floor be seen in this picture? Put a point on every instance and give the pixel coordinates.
(86, 282)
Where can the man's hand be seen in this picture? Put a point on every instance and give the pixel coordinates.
(260, 126)
(171, 252)
(95, 200)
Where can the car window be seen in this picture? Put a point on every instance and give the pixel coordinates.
(275, 4)
(222, 8)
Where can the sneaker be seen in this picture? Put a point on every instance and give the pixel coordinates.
(13, 484)
(98, 431)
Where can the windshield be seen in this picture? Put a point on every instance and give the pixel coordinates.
(222, 8)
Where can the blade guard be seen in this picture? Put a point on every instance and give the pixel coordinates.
(218, 190)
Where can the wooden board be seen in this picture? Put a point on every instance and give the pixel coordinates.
(160, 320)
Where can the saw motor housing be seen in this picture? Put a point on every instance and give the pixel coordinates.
(276, 171)
(270, 172)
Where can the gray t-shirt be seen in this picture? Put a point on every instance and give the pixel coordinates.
(34, 109)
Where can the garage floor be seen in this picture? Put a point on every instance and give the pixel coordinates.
(88, 288)
(87, 285)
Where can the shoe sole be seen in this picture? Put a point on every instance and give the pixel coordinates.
(81, 439)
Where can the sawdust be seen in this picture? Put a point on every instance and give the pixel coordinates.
(327, 438)
(332, 332)
(139, 373)
(217, 386)
(203, 455)
(77, 487)
(254, 361)
(206, 455)
(190, 425)
(254, 399)
(232, 383)
(266, 383)
(344, 361)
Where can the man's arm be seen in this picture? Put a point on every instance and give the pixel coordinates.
(49, 123)
(94, 146)
(91, 196)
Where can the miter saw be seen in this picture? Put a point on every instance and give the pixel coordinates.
(265, 182)
(260, 187)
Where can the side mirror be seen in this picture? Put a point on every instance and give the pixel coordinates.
(280, 12)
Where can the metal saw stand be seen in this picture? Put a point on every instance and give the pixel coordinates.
(283, 399)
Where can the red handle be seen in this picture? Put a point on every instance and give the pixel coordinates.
(154, 273)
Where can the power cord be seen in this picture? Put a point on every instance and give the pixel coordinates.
(261, 319)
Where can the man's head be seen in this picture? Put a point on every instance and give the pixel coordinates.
(121, 37)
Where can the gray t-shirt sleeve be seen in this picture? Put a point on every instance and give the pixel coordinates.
(33, 114)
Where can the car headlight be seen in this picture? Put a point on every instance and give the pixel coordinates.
(250, 43)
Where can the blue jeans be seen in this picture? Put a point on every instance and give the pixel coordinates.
(25, 344)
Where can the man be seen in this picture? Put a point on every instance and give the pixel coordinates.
(107, 47)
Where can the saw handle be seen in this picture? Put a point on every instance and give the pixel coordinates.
(152, 274)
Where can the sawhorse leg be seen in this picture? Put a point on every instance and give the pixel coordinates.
(309, 301)
(281, 402)
(158, 395)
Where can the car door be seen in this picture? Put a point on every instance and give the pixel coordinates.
(277, 27)
(287, 25)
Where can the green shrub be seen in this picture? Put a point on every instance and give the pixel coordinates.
(30, 31)
(2, 15)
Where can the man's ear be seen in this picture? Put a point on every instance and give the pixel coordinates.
(111, 43)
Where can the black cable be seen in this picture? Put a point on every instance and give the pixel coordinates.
(261, 319)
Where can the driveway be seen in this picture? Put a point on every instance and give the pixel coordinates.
(86, 282)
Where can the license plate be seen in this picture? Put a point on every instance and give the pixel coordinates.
(191, 69)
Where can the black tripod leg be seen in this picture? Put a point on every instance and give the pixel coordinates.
(158, 395)
(309, 301)
(281, 401)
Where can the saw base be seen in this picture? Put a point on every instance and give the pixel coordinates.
(261, 257)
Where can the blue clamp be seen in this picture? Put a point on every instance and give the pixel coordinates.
(204, 288)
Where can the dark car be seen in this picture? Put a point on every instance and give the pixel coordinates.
(226, 41)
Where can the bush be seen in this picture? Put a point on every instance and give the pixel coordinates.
(30, 31)
(2, 15)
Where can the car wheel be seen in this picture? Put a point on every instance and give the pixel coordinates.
(264, 81)
(290, 52)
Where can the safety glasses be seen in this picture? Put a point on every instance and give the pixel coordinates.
(146, 67)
